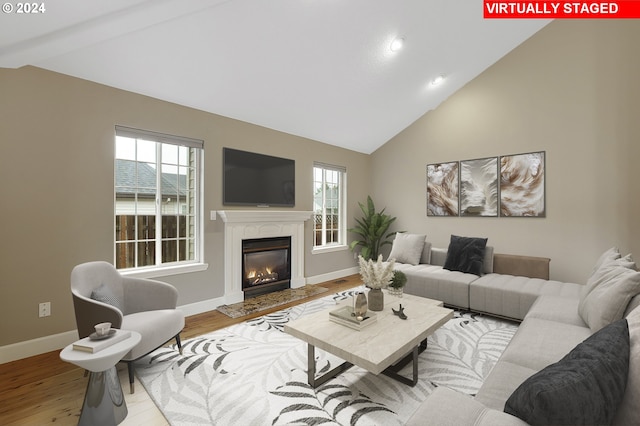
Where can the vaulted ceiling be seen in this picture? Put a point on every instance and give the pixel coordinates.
(320, 69)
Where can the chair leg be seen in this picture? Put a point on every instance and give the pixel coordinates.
(131, 383)
(179, 343)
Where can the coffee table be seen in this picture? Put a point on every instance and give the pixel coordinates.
(385, 346)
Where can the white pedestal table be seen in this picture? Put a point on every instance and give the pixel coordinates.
(104, 402)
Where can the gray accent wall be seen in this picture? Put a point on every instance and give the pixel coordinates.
(572, 90)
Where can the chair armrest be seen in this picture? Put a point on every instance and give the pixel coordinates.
(446, 407)
(141, 294)
(90, 312)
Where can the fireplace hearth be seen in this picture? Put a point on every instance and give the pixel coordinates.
(266, 265)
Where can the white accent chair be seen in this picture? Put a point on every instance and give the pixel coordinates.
(101, 294)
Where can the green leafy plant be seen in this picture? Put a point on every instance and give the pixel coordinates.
(398, 280)
(372, 231)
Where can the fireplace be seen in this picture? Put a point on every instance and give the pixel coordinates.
(240, 225)
(266, 265)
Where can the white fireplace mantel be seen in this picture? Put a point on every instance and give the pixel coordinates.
(248, 224)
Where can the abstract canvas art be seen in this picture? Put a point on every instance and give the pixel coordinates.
(479, 187)
(442, 189)
(522, 187)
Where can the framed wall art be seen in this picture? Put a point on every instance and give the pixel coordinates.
(479, 187)
(442, 189)
(522, 185)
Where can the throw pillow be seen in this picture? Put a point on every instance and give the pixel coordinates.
(425, 258)
(602, 270)
(614, 284)
(465, 254)
(628, 413)
(612, 254)
(407, 248)
(585, 387)
(105, 295)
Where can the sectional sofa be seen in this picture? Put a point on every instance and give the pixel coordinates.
(572, 360)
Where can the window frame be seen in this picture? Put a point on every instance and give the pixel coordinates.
(173, 267)
(341, 244)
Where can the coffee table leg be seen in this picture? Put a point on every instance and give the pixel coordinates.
(311, 369)
(393, 370)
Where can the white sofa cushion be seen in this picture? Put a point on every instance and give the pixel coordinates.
(446, 407)
(434, 282)
(585, 387)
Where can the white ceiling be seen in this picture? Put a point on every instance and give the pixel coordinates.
(321, 69)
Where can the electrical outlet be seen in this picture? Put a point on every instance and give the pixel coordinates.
(44, 309)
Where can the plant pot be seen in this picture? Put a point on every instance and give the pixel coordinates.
(396, 291)
(376, 299)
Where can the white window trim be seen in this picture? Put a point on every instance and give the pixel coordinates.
(329, 248)
(164, 271)
(182, 267)
(334, 247)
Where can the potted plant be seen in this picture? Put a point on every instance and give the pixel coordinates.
(398, 280)
(376, 275)
(372, 231)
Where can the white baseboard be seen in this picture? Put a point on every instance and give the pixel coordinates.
(331, 276)
(37, 346)
(204, 306)
(58, 341)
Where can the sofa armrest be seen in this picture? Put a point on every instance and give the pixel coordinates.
(141, 294)
(446, 407)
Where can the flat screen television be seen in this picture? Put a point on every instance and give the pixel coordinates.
(252, 179)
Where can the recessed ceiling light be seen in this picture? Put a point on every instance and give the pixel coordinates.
(397, 44)
(438, 80)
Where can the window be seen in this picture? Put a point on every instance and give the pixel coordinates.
(157, 199)
(329, 189)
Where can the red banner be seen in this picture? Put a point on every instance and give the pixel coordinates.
(623, 9)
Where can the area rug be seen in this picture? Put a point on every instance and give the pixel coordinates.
(270, 300)
(255, 374)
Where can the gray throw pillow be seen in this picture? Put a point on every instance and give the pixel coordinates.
(407, 248)
(466, 254)
(105, 295)
(613, 286)
(607, 258)
(611, 254)
(583, 388)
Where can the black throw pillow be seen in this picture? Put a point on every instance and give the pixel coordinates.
(465, 254)
(583, 388)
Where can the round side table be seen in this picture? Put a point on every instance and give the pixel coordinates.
(104, 402)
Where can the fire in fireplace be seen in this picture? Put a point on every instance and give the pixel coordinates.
(266, 265)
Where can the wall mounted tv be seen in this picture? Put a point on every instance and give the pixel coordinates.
(252, 179)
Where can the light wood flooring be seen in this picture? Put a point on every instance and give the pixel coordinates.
(46, 390)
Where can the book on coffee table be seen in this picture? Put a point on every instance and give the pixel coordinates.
(345, 316)
(93, 345)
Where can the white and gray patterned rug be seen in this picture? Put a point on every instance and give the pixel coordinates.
(255, 374)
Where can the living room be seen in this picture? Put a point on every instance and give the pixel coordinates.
(570, 90)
